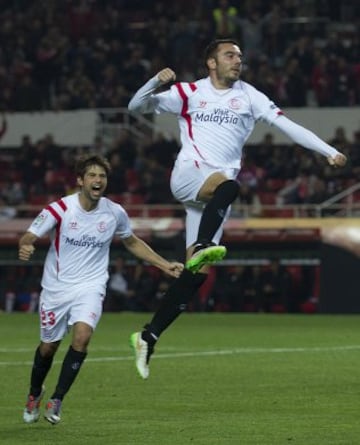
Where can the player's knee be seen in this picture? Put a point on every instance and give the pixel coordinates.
(48, 350)
(227, 191)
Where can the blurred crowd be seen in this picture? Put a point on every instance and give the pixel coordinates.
(78, 54)
(41, 171)
(272, 287)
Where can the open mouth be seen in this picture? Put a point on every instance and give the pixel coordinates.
(96, 189)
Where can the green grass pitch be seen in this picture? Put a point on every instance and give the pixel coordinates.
(216, 379)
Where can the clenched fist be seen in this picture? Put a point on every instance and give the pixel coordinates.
(339, 160)
(25, 251)
(166, 75)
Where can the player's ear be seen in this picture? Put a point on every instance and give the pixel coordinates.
(80, 181)
(211, 63)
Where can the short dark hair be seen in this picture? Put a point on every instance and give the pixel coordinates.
(84, 162)
(211, 49)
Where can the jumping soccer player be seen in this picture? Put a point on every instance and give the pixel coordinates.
(216, 115)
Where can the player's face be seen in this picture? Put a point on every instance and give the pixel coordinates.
(226, 65)
(94, 183)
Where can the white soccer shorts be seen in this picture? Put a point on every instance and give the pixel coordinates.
(187, 178)
(58, 311)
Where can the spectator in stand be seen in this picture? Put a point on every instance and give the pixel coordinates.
(295, 84)
(161, 288)
(321, 80)
(275, 288)
(145, 286)
(344, 84)
(265, 79)
(67, 51)
(154, 180)
(136, 68)
(121, 294)
(250, 26)
(125, 145)
(249, 196)
(6, 211)
(340, 138)
(99, 146)
(116, 182)
(251, 288)
(318, 194)
(223, 16)
(13, 193)
(296, 191)
(302, 50)
(27, 96)
(228, 293)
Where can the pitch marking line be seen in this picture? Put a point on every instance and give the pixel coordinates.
(233, 351)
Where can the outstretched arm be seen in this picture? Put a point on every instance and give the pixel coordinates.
(143, 101)
(308, 139)
(143, 251)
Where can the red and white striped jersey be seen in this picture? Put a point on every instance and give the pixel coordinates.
(80, 241)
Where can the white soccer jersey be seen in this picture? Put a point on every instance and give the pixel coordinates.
(80, 241)
(215, 124)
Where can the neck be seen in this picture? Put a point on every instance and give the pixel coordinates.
(86, 203)
(221, 84)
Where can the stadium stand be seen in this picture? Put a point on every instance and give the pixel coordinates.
(95, 53)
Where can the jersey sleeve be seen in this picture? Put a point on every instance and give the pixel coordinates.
(263, 108)
(43, 223)
(169, 101)
(146, 100)
(123, 229)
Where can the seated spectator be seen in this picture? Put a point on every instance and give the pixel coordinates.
(145, 286)
(228, 293)
(13, 193)
(248, 196)
(6, 211)
(121, 293)
(275, 287)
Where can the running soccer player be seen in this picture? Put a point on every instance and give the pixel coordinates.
(81, 228)
(216, 115)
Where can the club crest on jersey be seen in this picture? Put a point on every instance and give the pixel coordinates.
(235, 103)
(102, 226)
(202, 104)
(40, 219)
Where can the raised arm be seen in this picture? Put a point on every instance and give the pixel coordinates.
(143, 251)
(143, 100)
